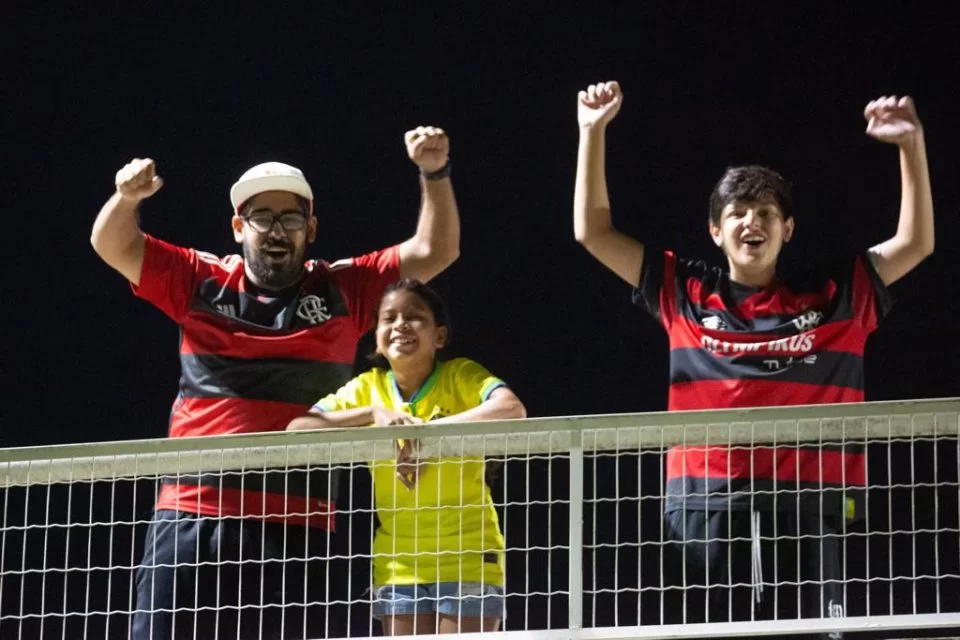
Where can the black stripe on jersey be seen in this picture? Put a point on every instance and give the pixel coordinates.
(317, 484)
(716, 494)
(839, 368)
(300, 382)
(283, 313)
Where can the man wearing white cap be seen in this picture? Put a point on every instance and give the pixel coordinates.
(263, 335)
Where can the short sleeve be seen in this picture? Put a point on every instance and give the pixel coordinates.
(475, 382)
(363, 280)
(355, 393)
(658, 291)
(871, 301)
(170, 276)
(647, 295)
(857, 289)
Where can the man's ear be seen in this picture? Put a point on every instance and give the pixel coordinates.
(311, 229)
(237, 224)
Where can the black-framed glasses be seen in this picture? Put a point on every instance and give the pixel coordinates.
(263, 221)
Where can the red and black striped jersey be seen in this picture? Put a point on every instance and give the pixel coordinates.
(798, 341)
(251, 361)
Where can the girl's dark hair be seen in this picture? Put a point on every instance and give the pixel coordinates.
(441, 317)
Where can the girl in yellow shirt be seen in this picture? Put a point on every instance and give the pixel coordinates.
(438, 553)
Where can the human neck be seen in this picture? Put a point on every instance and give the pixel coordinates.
(253, 282)
(752, 278)
(411, 376)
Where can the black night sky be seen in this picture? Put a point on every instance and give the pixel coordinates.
(209, 90)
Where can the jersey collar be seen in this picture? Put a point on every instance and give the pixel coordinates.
(419, 394)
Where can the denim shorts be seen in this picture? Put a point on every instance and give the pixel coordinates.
(466, 599)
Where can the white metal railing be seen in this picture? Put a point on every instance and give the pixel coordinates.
(573, 439)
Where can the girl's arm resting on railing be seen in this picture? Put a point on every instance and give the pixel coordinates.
(358, 417)
(503, 404)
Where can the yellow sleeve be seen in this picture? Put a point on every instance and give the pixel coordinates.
(356, 393)
(475, 382)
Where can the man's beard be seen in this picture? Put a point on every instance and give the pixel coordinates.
(270, 274)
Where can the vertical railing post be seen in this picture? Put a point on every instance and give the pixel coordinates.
(575, 581)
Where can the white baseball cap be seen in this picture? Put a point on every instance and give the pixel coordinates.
(270, 176)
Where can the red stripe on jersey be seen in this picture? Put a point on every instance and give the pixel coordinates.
(272, 507)
(732, 394)
(804, 465)
(222, 416)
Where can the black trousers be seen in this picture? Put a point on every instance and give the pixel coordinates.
(205, 577)
(760, 565)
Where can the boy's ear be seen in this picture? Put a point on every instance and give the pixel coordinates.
(788, 229)
(715, 233)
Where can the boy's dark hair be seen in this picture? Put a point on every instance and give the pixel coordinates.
(750, 183)
(441, 317)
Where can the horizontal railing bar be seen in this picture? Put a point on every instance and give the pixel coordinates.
(616, 432)
(730, 629)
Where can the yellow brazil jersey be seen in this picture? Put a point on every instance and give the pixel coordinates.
(446, 529)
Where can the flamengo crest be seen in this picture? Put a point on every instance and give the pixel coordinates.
(313, 309)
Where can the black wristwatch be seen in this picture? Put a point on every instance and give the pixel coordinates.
(439, 174)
